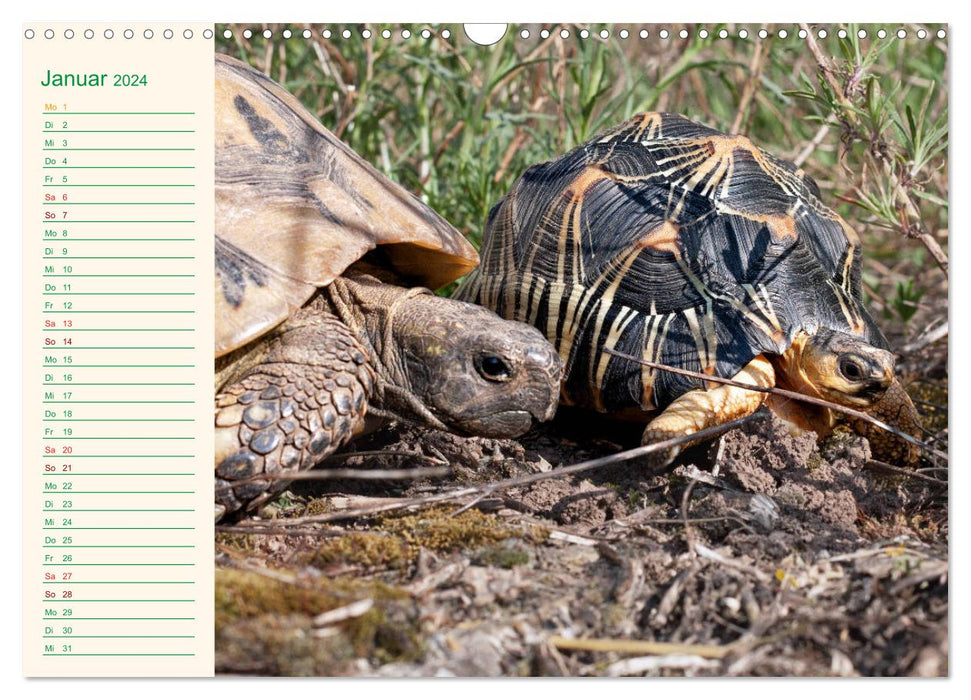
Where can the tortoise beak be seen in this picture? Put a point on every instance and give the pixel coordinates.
(549, 370)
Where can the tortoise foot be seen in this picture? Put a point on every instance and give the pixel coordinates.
(705, 408)
(284, 417)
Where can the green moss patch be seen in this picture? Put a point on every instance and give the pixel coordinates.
(388, 631)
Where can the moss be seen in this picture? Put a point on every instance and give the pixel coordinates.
(318, 506)
(238, 541)
(814, 461)
(397, 540)
(440, 531)
(286, 504)
(616, 616)
(370, 549)
(502, 556)
(387, 632)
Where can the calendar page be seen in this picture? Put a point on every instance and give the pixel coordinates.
(533, 349)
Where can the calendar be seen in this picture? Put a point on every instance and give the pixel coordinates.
(539, 349)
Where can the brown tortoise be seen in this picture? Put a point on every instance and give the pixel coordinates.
(670, 241)
(318, 316)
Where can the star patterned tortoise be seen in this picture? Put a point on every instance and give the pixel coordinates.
(675, 243)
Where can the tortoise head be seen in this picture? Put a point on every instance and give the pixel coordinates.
(474, 372)
(843, 368)
(847, 370)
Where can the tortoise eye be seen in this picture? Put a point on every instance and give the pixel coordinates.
(851, 369)
(493, 369)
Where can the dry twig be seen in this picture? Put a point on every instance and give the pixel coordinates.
(478, 490)
(639, 646)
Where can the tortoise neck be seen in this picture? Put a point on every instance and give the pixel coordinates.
(374, 310)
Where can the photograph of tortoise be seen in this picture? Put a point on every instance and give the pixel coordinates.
(323, 309)
(670, 241)
(790, 231)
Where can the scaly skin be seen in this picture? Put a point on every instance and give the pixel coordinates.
(305, 398)
(896, 409)
(700, 409)
(814, 365)
(363, 346)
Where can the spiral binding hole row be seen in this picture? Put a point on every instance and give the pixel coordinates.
(564, 33)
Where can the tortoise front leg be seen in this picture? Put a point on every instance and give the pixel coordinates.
(306, 397)
(699, 409)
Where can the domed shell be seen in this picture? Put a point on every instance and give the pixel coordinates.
(295, 207)
(669, 241)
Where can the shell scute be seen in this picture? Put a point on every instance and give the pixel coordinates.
(668, 240)
(295, 207)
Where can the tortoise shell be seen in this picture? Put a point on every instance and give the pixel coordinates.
(295, 207)
(668, 240)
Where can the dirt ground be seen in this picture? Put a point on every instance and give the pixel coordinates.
(758, 554)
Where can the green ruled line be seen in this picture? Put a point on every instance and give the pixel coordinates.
(119, 384)
(118, 636)
(73, 564)
(71, 491)
(61, 619)
(65, 529)
(72, 365)
(66, 114)
(129, 240)
(128, 456)
(132, 275)
(120, 329)
(123, 185)
(119, 257)
(170, 401)
(117, 420)
(121, 510)
(124, 347)
(187, 148)
(113, 204)
(122, 600)
(81, 583)
(118, 167)
(118, 131)
(74, 437)
(122, 311)
(119, 294)
(71, 653)
(118, 546)
(124, 221)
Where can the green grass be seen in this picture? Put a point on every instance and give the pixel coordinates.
(457, 123)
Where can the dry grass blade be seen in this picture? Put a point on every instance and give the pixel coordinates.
(804, 154)
(860, 415)
(877, 465)
(932, 336)
(639, 646)
(759, 53)
(363, 474)
(707, 553)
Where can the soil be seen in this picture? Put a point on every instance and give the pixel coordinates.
(758, 554)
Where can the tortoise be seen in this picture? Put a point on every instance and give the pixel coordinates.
(320, 321)
(666, 240)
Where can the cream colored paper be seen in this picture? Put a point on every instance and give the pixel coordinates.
(117, 350)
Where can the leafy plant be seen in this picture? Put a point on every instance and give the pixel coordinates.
(457, 123)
